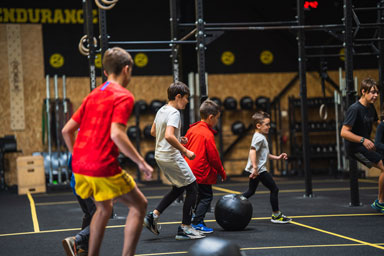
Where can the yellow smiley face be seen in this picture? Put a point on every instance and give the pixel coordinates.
(342, 52)
(141, 60)
(266, 57)
(98, 61)
(227, 58)
(56, 60)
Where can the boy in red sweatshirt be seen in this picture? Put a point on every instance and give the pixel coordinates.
(207, 164)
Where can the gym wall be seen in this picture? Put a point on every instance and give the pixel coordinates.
(147, 88)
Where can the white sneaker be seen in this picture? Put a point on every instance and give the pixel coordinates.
(186, 233)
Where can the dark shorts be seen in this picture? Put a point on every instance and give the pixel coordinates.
(365, 156)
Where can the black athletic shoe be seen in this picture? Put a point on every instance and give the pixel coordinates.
(280, 219)
(151, 224)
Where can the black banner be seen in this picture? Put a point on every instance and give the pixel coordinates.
(145, 20)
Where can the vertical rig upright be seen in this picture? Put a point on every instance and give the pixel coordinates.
(303, 97)
(380, 18)
(174, 35)
(103, 38)
(200, 48)
(351, 93)
(88, 29)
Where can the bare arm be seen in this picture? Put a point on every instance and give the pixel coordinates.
(252, 156)
(281, 156)
(68, 133)
(153, 130)
(346, 133)
(120, 138)
(171, 138)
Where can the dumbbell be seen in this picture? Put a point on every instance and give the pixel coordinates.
(216, 100)
(230, 103)
(150, 158)
(156, 105)
(262, 103)
(133, 132)
(147, 132)
(141, 105)
(246, 103)
(238, 127)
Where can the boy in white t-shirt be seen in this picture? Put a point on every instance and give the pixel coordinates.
(168, 155)
(257, 161)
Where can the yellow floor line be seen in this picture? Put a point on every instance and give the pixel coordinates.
(266, 248)
(56, 203)
(304, 246)
(178, 222)
(225, 190)
(41, 232)
(33, 212)
(162, 253)
(368, 181)
(341, 236)
(290, 190)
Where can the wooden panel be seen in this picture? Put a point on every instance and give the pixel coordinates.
(15, 75)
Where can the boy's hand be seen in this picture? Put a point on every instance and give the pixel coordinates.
(254, 174)
(146, 169)
(369, 145)
(190, 155)
(183, 140)
(283, 156)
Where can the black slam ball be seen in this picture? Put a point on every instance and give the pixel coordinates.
(214, 246)
(233, 212)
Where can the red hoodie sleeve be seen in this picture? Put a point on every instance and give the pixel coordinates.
(214, 158)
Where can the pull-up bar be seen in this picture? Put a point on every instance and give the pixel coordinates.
(155, 42)
(274, 23)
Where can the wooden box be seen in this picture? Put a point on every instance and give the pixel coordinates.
(369, 172)
(30, 174)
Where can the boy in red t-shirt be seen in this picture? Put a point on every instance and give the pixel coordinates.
(100, 123)
(207, 164)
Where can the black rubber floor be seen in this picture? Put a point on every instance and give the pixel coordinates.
(322, 225)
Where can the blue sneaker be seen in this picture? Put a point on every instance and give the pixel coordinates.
(202, 228)
(378, 206)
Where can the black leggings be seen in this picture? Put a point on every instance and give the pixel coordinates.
(269, 183)
(189, 203)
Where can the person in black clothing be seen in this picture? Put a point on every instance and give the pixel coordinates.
(356, 131)
(379, 137)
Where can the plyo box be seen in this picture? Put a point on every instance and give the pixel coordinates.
(30, 174)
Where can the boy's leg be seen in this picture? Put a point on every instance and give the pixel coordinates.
(381, 182)
(267, 180)
(88, 207)
(98, 224)
(253, 183)
(186, 231)
(137, 205)
(190, 203)
(80, 241)
(150, 221)
(277, 216)
(369, 158)
(169, 198)
(205, 197)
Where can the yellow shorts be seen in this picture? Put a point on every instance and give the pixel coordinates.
(104, 188)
